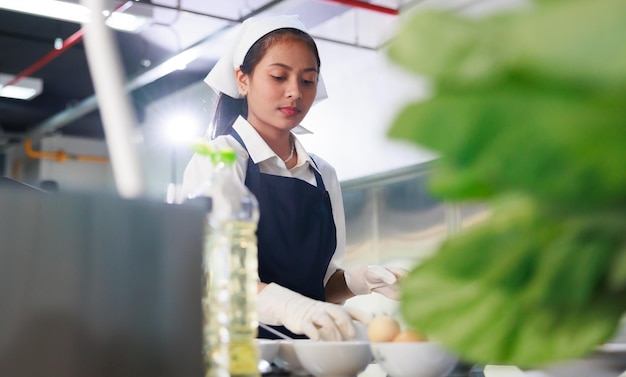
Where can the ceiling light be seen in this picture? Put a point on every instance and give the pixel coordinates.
(59, 10)
(26, 88)
(126, 22)
(73, 12)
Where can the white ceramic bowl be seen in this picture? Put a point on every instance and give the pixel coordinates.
(288, 360)
(413, 359)
(268, 349)
(333, 358)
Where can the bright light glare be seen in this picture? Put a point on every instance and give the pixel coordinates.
(49, 8)
(182, 128)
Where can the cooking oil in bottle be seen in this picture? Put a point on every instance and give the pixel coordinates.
(230, 273)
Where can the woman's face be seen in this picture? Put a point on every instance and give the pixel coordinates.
(281, 88)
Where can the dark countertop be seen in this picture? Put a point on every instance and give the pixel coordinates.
(461, 370)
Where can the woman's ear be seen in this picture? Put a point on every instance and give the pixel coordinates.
(242, 82)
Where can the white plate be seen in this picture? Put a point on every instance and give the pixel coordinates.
(612, 348)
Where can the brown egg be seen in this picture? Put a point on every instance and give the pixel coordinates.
(409, 336)
(383, 329)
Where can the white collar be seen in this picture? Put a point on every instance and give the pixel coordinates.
(301, 130)
(257, 147)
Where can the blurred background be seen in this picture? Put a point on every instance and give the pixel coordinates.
(166, 48)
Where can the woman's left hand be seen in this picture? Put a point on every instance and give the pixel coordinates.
(362, 280)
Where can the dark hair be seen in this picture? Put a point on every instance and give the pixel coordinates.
(227, 108)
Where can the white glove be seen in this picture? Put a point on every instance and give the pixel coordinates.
(277, 305)
(362, 280)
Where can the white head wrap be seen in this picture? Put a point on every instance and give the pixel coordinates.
(222, 77)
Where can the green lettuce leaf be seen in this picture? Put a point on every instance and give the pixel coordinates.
(528, 116)
(575, 42)
(521, 137)
(522, 288)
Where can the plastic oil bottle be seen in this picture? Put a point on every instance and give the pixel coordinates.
(230, 272)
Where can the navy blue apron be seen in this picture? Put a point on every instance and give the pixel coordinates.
(296, 233)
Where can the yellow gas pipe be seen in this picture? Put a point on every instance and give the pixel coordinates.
(60, 155)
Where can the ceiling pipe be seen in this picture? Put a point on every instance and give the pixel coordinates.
(118, 117)
(67, 44)
(368, 6)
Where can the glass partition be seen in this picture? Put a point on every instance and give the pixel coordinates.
(392, 218)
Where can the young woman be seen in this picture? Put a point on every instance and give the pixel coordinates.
(266, 85)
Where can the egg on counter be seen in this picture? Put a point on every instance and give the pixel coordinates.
(409, 335)
(383, 329)
(387, 329)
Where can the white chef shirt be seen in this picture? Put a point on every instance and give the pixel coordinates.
(199, 169)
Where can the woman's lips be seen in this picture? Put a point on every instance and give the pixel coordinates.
(289, 111)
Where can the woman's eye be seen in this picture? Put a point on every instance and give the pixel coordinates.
(279, 78)
(308, 82)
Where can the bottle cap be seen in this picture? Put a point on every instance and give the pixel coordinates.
(226, 155)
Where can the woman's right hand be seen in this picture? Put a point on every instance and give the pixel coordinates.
(302, 315)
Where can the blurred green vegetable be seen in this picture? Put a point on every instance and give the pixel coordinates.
(529, 116)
